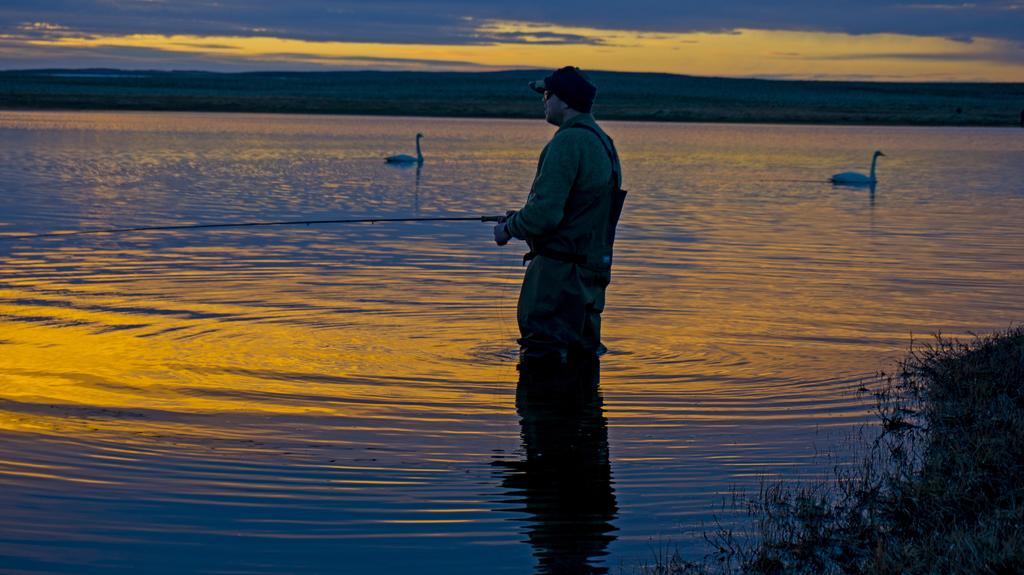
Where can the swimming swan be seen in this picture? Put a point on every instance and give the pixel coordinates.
(405, 158)
(855, 179)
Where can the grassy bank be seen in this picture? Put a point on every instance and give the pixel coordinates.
(622, 96)
(940, 490)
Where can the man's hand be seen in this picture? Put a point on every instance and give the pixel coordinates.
(501, 235)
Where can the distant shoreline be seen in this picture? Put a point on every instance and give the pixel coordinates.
(622, 96)
(536, 116)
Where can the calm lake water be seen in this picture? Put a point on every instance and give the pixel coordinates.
(343, 399)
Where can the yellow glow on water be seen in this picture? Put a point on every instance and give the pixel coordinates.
(31, 475)
(743, 52)
(99, 357)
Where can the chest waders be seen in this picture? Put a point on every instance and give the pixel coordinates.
(618, 199)
(560, 305)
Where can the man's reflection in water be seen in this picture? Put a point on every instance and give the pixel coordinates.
(565, 481)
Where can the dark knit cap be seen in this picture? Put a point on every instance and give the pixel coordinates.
(571, 86)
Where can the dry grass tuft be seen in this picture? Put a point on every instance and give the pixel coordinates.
(939, 490)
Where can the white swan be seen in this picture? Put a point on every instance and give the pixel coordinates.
(856, 179)
(405, 158)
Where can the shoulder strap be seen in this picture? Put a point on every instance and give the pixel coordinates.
(612, 154)
(618, 194)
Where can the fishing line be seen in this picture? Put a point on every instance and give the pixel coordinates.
(504, 299)
(249, 224)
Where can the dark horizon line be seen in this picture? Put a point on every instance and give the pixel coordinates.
(128, 71)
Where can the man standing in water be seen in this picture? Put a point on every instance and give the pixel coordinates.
(568, 223)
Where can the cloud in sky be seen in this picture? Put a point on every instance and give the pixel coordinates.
(451, 21)
(799, 38)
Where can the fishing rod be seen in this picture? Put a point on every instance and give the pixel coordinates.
(250, 224)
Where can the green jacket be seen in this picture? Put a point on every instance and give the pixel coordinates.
(570, 200)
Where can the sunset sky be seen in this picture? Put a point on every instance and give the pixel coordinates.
(805, 39)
